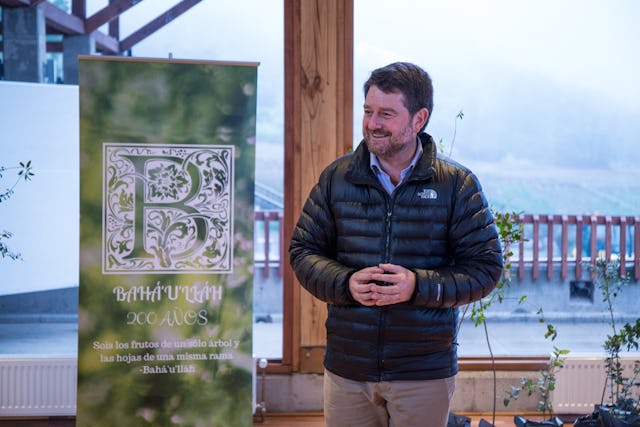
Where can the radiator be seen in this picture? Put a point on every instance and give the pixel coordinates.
(38, 387)
(579, 384)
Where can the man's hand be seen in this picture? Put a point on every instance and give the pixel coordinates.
(360, 285)
(399, 284)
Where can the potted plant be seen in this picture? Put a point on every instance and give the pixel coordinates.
(543, 385)
(511, 232)
(622, 405)
(623, 392)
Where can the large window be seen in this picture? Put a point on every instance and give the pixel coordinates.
(243, 30)
(251, 31)
(549, 97)
(38, 124)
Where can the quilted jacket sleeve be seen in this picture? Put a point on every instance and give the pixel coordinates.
(312, 252)
(475, 248)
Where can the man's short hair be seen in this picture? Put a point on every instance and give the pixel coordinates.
(410, 80)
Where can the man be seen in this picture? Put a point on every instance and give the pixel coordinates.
(394, 237)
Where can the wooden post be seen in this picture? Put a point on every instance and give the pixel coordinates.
(318, 129)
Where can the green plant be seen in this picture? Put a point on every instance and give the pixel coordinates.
(623, 393)
(25, 173)
(544, 384)
(441, 148)
(510, 231)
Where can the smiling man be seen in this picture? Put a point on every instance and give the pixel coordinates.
(394, 238)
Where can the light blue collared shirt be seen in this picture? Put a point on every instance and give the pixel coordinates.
(384, 178)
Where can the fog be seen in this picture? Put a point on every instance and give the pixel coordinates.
(548, 89)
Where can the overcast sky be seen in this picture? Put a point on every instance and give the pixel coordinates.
(584, 45)
(571, 40)
(576, 41)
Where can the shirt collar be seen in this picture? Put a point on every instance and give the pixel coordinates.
(377, 168)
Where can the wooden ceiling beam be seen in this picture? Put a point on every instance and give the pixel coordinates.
(20, 3)
(109, 13)
(157, 23)
(114, 29)
(15, 3)
(106, 44)
(79, 8)
(60, 21)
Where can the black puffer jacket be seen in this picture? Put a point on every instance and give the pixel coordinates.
(437, 223)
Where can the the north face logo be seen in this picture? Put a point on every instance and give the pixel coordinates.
(428, 193)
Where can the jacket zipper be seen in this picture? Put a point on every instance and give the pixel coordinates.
(387, 231)
(383, 310)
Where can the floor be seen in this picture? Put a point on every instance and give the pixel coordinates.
(270, 420)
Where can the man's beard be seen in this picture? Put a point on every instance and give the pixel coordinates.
(393, 144)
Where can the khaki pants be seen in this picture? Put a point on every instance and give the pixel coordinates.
(350, 403)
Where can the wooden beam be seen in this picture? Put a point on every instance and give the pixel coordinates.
(60, 21)
(79, 8)
(114, 28)
(14, 3)
(318, 129)
(106, 44)
(109, 13)
(157, 23)
(291, 288)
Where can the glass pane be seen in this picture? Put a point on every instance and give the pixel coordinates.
(251, 31)
(244, 31)
(549, 98)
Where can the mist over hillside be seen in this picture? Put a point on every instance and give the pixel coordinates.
(556, 190)
(529, 118)
(539, 147)
(536, 147)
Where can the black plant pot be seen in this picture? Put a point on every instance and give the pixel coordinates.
(456, 420)
(611, 420)
(591, 420)
(523, 422)
(603, 417)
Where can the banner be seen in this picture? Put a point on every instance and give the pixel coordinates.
(167, 153)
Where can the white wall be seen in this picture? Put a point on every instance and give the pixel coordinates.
(40, 122)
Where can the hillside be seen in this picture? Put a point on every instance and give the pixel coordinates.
(549, 190)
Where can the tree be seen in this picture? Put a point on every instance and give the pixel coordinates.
(24, 173)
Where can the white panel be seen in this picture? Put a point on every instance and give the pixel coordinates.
(38, 387)
(579, 384)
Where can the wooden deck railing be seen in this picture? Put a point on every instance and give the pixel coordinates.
(268, 242)
(570, 241)
(566, 242)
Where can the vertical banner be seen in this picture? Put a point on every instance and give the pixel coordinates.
(167, 153)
